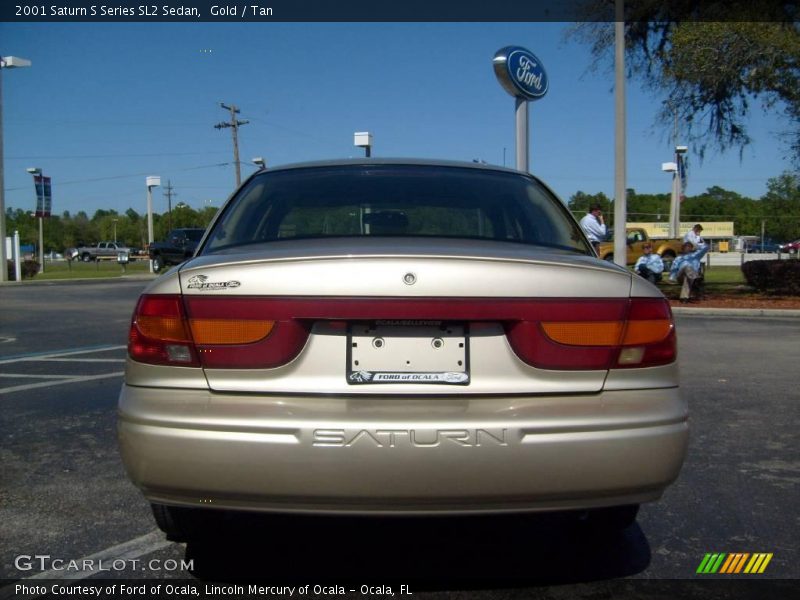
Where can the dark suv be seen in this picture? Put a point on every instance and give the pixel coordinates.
(180, 245)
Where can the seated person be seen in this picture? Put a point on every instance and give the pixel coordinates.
(686, 268)
(649, 265)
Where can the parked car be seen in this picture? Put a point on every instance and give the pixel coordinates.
(179, 245)
(790, 247)
(636, 238)
(399, 337)
(767, 246)
(101, 250)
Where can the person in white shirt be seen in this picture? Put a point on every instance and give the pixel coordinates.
(693, 237)
(593, 225)
(650, 266)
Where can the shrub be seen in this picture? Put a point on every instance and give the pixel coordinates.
(773, 276)
(29, 269)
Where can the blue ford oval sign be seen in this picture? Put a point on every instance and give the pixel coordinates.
(520, 73)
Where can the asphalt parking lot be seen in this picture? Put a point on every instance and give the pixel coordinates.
(64, 493)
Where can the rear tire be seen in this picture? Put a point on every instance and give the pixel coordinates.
(86, 257)
(174, 521)
(183, 524)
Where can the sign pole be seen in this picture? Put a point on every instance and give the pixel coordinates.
(522, 75)
(41, 244)
(523, 135)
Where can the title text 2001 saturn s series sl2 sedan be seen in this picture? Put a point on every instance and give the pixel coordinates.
(399, 337)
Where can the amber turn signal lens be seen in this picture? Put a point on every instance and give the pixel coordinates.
(584, 333)
(646, 332)
(162, 328)
(229, 331)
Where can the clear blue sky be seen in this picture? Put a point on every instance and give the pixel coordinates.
(104, 105)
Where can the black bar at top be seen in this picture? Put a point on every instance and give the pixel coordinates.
(193, 11)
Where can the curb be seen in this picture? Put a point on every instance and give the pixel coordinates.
(788, 313)
(80, 280)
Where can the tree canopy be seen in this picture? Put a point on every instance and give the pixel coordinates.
(778, 209)
(713, 62)
(66, 230)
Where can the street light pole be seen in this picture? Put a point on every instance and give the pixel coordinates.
(671, 167)
(151, 181)
(363, 139)
(6, 62)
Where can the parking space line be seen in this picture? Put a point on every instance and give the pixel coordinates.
(43, 384)
(89, 360)
(34, 356)
(27, 376)
(130, 550)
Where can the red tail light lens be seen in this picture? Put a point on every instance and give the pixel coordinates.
(213, 333)
(649, 339)
(640, 334)
(245, 332)
(251, 333)
(159, 333)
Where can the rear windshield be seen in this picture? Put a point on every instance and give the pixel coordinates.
(194, 235)
(395, 200)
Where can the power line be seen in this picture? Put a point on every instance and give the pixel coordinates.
(62, 157)
(111, 177)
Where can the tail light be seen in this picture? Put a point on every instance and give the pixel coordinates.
(159, 333)
(212, 333)
(251, 333)
(643, 336)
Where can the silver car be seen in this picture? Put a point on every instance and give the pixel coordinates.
(399, 337)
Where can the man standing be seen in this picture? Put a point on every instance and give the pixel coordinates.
(686, 268)
(650, 266)
(593, 226)
(693, 236)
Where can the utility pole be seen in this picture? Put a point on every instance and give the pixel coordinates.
(169, 194)
(620, 191)
(234, 125)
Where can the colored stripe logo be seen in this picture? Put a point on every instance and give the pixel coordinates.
(734, 563)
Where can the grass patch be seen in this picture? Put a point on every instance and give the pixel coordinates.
(719, 281)
(725, 276)
(99, 270)
(726, 281)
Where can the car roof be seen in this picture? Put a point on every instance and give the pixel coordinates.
(394, 162)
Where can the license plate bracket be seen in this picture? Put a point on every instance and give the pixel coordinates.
(408, 352)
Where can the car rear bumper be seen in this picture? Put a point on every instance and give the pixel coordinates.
(334, 454)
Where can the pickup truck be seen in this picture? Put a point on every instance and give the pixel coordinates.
(180, 245)
(101, 250)
(637, 237)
